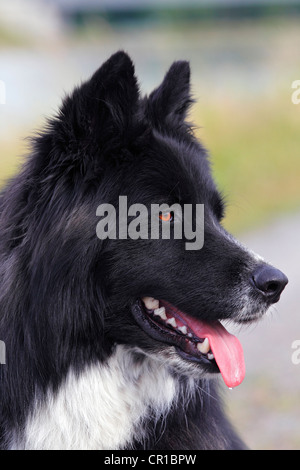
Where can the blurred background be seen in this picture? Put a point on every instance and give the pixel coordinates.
(244, 57)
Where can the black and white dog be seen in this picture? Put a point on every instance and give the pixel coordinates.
(116, 343)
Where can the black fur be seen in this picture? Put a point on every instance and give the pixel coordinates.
(66, 296)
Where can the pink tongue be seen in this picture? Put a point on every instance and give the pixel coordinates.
(226, 348)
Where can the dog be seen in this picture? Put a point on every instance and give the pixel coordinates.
(117, 343)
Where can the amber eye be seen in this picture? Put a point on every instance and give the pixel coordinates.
(166, 217)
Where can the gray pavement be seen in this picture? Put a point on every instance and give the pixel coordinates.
(266, 406)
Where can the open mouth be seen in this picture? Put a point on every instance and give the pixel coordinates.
(208, 344)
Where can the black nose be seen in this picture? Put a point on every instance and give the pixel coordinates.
(269, 281)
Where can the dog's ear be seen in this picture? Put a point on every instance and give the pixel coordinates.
(168, 104)
(99, 113)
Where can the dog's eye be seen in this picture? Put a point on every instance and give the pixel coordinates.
(166, 216)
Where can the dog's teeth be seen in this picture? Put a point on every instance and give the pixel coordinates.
(210, 356)
(150, 303)
(171, 321)
(161, 312)
(183, 329)
(204, 347)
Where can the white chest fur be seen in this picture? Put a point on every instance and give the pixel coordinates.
(103, 407)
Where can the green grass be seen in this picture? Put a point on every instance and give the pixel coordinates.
(11, 159)
(12, 38)
(255, 155)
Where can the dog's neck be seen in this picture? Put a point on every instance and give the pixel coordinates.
(106, 406)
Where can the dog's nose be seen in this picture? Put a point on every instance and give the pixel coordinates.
(269, 281)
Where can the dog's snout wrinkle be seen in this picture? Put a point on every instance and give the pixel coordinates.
(269, 281)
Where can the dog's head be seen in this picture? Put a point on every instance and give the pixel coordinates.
(164, 296)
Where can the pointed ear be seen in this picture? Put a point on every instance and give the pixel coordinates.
(169, 102)
(102, 109)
